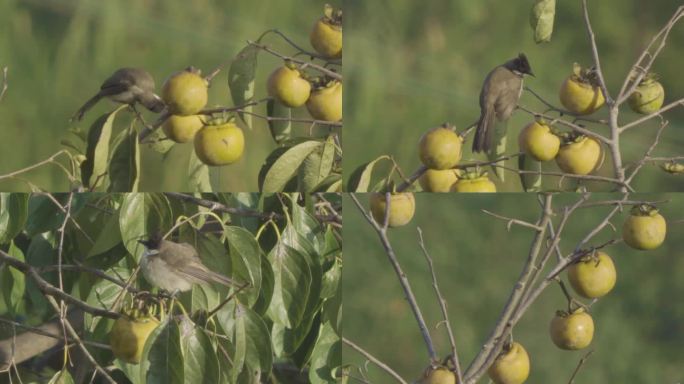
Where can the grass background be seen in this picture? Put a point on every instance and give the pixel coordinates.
(59, 52)
(639, 325)
(411, 66)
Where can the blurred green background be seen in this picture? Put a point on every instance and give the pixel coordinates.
(411, 66)
(59, 52)
(639, 325)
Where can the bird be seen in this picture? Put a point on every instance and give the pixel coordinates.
(499, 97)
(176, 267)
(126, 86)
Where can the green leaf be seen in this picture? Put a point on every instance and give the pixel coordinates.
(360, 179)
(163, 355)
(267, 287)
(158, 212)
(158, 142)
(94, 168)
(292, 281)
(332, 310)
(332, 183)
(245, 255)
(107, 237)
(249, 336)
(327, 354)
(281, 130)
(62, 377)
(241, 79)
(541, 20)
(104, 293)
(132, 222)
(331, 279)
(45, 215)
(268, 163)
(124, 168)
(308, 172)
(201, 361)
(287, 165)
(286, 341)
(198, 175)
(327, 158)
(531, 182)
(12, 282)
(13, 215)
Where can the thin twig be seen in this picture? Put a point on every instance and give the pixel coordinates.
(579, 365)
(640, 70)
(374, 360)
(595, 54)
(74, 335)
(510, 221)
(50, 159)
(403, 280)
(317, 67)
(568, 124)
(442, 305)
(666, 108)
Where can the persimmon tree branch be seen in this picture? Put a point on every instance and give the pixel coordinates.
(534, 278)
(323, 70)
(496, 339)
(50, 290)
(381, 231)
(640, 69)
(595, 54)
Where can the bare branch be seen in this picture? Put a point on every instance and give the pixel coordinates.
(50, 290)
(492, 346)
(74, 335)
(666, 108)
(568, 124)
(595, 54)
(442, 305)
(639, 69)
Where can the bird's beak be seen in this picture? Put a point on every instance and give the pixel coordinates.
(531, 74)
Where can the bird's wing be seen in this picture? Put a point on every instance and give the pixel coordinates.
(191, 265)
(202, 273)
(507, 100)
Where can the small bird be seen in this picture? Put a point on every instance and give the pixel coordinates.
(175, 267)
(499, 97)
(126, 86)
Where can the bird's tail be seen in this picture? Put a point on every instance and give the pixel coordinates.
(152, 102)
(88, 104)
(483, 134)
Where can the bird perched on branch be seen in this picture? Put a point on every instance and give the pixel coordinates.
(126, 86)
(175, 267)
(499, 97)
